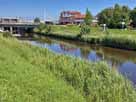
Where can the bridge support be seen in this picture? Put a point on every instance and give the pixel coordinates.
(2, 28)
(11, 29)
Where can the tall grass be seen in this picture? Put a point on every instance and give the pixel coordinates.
(24, 79)
(126, 42)
(33, 74)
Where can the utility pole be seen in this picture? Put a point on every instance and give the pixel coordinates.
(44, 16)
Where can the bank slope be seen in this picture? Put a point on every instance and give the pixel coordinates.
(32, 74)
(115, 38)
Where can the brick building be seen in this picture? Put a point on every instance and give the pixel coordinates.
(71, 17)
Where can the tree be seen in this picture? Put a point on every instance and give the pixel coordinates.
(116, 19)
(37, 20)
(84, 29)
(88, 17)
(126, 14)
(43, 28)
(114, 16)
(105, 16)
(133, 17)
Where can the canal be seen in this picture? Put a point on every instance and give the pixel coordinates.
(122, 60)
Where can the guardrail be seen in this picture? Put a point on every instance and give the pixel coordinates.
(21, 23)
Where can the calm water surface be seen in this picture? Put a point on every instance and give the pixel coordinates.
(123, 61)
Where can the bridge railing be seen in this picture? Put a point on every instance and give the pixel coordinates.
(20, 23)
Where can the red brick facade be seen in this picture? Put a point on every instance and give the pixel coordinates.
(71, 17)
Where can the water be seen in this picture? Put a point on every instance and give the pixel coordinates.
(122, 60)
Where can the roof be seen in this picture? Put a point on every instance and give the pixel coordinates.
(72, 12)
(75, 14)
(81, 16)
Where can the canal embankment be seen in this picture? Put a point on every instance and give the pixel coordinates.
(36, 73)
(115, 38)
(125, 42)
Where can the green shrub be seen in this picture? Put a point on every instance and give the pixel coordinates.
(85, 29)
(7, 34)
(43, 28)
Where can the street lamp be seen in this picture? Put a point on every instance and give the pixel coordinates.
(104, 27)
(123, 25)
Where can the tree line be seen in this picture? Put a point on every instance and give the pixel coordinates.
(114, 16)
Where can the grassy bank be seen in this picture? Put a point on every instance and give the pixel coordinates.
(32, 74)
(124, 39)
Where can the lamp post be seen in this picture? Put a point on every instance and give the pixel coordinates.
(123, 25)
(104, 27)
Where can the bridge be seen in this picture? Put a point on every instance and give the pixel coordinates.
(16, 26)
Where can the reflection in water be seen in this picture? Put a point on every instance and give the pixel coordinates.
(124, 61)
(129, 69)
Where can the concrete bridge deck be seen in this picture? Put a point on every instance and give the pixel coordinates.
(21, 23)
(18, 28)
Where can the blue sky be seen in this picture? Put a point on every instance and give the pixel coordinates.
(52, 8)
